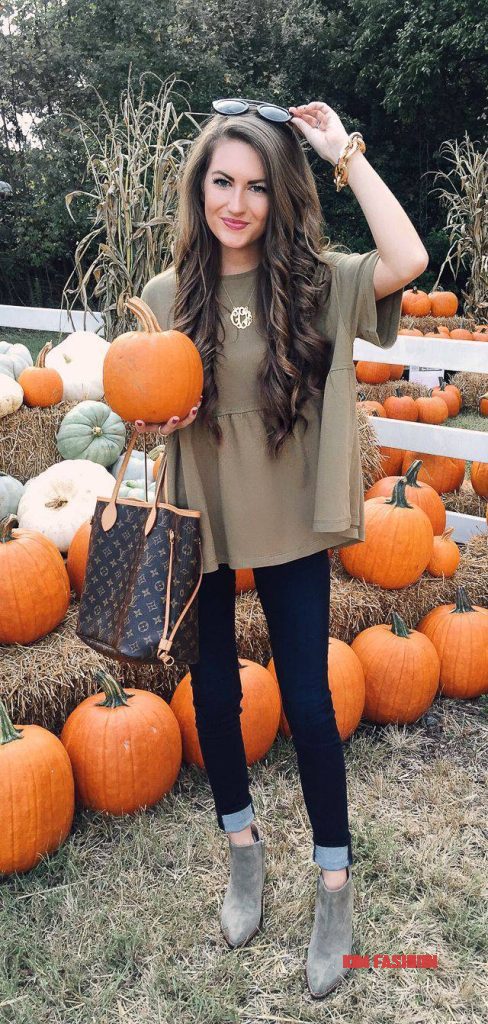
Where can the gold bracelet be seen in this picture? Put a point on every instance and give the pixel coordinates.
(354, 142)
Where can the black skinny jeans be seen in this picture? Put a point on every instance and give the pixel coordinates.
(295, 598)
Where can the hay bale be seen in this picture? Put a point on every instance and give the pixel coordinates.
(466, 501)
(42, 682)
(471, 386)
(378, 392)
(28, 440)
(430, 323)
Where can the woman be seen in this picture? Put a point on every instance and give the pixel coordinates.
(272, 460)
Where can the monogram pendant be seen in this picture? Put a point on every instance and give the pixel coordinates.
(241, 317)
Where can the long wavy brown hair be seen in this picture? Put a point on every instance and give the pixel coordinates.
(293, 278)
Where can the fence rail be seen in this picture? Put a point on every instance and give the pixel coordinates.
(408, 350)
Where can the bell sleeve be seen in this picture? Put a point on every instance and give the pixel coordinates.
(365, 317)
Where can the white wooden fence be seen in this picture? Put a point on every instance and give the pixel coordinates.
(459, 443)
(408, 350)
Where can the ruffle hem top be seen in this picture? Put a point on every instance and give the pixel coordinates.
(257, 510)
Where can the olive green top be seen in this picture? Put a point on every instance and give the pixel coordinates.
(256, 509)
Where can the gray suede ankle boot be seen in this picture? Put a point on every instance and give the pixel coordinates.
(243, 906)
(331, 937)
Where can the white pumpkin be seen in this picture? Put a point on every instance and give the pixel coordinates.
(11, 395)
(79, 360)
(61, 498)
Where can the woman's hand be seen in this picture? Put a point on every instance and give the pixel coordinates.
(322, 128)
(171, 425)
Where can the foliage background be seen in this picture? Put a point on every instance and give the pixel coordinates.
(405, 75)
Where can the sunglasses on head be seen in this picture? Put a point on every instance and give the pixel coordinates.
(270, 111)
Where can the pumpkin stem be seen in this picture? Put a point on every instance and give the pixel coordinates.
(412, 473)
(447, 533)
(7, 524)
(158, 450)
(144, 314)
(399, 627)
(463, 604)
(8, 731)
(42, 354)
(398, 498)
(115, 695)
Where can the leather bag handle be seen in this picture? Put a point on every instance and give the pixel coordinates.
(109, 514)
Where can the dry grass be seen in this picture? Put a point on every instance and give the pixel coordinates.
(121, 924)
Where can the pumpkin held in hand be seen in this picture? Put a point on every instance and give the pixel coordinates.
(152, 374)
(37, 798)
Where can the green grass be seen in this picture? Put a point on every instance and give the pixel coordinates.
(34, 340)
(121, 924)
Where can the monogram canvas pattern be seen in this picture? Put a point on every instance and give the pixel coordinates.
(123, 602)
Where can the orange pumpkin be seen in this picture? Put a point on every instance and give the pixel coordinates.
(37, 794)
(483, 404)
(370, 405)
(435, 334)
(443, 303)
(401, 671)
(346, 683)
(125, 749)
(401, 407)
(420, 494)
(450, 394)
(42, 385)
(391, 460)
(461, 334)
(479, 478)
(459, 633)
(432, 410)
(480, 336)
(152, 374)
(34, 584)
(445, 556)
(392, 526)
(412, 331)
(261, 707)
(415, 302)
(396, 371)
(78, 556)
(368, 372)
(244, 580)
(442, 472)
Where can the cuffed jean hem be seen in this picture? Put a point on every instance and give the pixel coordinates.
(332, 858)
(238, 820)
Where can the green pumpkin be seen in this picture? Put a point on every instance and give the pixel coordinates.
(135, 489)
(91, 431)
(11, 491)
(135, 466)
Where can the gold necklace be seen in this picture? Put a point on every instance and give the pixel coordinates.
(241, 316)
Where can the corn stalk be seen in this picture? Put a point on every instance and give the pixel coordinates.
(133, 160)
(466, 196)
